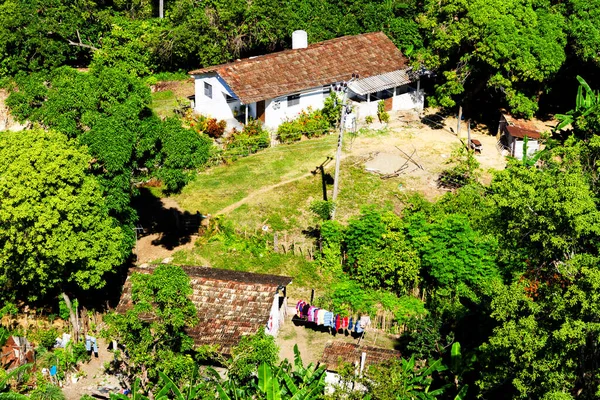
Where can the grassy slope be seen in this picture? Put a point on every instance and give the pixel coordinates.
(284, 208)
(163, 103)
(223, 185)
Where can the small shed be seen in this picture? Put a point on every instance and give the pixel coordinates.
(512, 132)
(230, 304)
(337, 354)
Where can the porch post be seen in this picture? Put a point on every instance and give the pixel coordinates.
(246, 116)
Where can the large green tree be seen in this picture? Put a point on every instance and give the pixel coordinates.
(55, 228)
(507, 49)
(153, 330)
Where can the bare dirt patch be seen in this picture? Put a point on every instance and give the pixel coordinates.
(429, 147)
(183, 88)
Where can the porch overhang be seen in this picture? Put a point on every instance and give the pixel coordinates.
(380, 82)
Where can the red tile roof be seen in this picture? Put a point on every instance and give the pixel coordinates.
(230, 304)
(323, 63)
(520, 128)
(338, 353)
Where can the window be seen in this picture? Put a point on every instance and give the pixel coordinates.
(293, 100)
(208, 90)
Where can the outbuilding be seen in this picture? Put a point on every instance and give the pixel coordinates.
(512, 133)
(230, 304)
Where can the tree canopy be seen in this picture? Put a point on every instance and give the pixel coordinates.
(55, 227)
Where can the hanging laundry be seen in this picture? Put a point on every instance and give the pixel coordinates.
(338, 322)
(365, 321)
(321, 317)
(345, 323)
(350, 323)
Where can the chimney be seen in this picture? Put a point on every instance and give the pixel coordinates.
(299, 39)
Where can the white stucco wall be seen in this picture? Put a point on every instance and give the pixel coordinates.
(276, 114)
(217, 107)
(409, 101)
(532, 147)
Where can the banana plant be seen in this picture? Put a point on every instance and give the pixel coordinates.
(587, 102)
(5, 393)
(136, 394)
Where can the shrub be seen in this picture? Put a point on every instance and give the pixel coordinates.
(250, 140)
(332, 109)
(289, 131)
(369, 119)
(381, 113)
(309, 123)
(322, 209)
(215, 129)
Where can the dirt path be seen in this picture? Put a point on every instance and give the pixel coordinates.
(93, 375)
(257, 193)
(152, 247)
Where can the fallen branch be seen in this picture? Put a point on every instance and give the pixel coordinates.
(80, 43)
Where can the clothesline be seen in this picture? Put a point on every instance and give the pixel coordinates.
(329, 319)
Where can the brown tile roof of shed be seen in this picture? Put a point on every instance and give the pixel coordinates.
(230, 304)
(291, 71)
(338, 353)
(520, 128)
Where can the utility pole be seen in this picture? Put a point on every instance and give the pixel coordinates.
(343, 87)
(161, 8)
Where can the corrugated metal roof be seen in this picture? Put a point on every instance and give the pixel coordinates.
(380, 82)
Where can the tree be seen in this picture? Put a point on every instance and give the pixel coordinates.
(249, 354)
(545, 345)
(378, 253)
(544, 216)
(153, 330)
(456, 259)
(509, 47)
(55, 229)
(403, 379)
(40, 35)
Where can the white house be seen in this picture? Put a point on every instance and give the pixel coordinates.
(278, 86)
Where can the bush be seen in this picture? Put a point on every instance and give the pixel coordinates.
(381, 113)
(289, 131)
(250, 140)
(309, 123)
(215, 129)
(369, 119)
(322, 209)
(332, 109)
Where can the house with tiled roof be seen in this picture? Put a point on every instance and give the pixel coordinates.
(230, 304)
(278, 86)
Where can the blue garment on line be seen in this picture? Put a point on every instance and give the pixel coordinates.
(328, 317)
(351, 324)
(358, 328)
(90, 342)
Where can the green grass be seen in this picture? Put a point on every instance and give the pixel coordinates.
(163, 103)
(224, 185)
(253, 255)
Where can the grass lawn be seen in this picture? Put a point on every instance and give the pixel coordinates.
(277, 189)
(222, 186)
(163, 103)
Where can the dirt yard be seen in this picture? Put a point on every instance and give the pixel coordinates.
(429, 147)
(311, 342)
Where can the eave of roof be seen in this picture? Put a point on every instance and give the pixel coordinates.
(290, 71)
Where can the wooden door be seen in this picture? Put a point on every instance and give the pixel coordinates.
(260, 111)
(388, 103)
